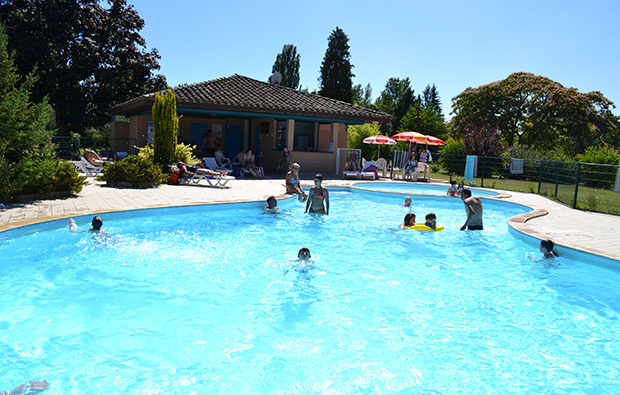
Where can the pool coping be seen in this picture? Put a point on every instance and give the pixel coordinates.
(517, 222)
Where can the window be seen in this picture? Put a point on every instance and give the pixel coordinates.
(281, 135)
(305, 136)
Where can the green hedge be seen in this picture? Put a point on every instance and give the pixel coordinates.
(133, 171)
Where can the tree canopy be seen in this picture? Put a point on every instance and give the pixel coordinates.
(430, 96)
(424, 120)
(336, 76)
(287, 64)
(362, 96)
(395, 99)
(88, 57)
(533, 110)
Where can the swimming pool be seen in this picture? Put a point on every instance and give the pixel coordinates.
(206, 299)
(418, 188)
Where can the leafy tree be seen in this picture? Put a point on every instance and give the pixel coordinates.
(533, 110)
(482, 140)
(430, 96)
(451, 156)
(395, 99)
(287, 64)
(424, 120)
(356, 135)
(165, 124)
(27, 161)
(362, 96)
(336, 75)
(88, 57)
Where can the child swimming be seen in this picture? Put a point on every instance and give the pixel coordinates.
(431, 221)
(272, 205)
(408, 221)
(96, 224)
(408, 202)
(452, 191)
(546, 247)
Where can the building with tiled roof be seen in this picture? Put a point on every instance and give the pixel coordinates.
(244, 113)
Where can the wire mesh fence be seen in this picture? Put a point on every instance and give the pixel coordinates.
(585, 186)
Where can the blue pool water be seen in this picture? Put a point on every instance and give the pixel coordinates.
(417, 188)
(209, 299)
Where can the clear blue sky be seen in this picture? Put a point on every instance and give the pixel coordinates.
(453, 44)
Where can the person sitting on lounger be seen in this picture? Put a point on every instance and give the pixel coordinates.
(318, 200)
(353, 162)
(250, 166)
(192, 170)
(96, 224)
(93, 158)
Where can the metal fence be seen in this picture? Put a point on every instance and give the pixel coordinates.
(72, 147)
(585, 186)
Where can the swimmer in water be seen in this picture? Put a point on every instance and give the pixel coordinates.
(318, 199)
(96, 223)
(272, 205)
(408, 203)
(408, 221)
(546, 247)
(431, 221)
(304, 253)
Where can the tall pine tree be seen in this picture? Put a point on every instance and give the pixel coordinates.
(287, 64)
(336, 80)
(431, 99)
(395, 100)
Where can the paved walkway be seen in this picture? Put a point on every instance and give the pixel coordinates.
(593, 232)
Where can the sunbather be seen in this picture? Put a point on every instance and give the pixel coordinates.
(94, 159)
(192, 170)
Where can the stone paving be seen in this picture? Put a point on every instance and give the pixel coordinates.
(592, 232)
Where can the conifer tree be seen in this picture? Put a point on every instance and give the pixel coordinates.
(287, 64)
(336, 75)
(165, 124)
(431, 99)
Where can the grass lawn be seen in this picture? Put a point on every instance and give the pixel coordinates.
(591, 199)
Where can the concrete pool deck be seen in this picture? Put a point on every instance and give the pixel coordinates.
(587, 231)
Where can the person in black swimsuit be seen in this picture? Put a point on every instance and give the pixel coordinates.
(318, 199)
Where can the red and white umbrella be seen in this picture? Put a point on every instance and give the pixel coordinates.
(432, 140)
(412, 137)
(379, 139)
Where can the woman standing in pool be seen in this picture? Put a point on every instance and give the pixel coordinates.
(318, 200)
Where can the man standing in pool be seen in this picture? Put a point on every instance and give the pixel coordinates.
(473, 208)
(318, 199)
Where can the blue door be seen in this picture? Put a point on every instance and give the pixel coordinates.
(234, 140)
(196, 131)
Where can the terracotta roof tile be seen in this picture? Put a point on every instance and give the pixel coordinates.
(240, 93)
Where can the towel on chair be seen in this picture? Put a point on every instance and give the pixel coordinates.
(516, 166)
(470, 167)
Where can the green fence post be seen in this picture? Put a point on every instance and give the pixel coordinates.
(557, 177)
(577, 184)
(482, 176)
(539, 175)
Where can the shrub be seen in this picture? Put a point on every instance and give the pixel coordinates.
(599, 176)
(356, 135)
(67, 179)
(165, 125)
(133, 171)
(452, 156)
(182, 153)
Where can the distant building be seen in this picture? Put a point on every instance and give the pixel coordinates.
(244, 113)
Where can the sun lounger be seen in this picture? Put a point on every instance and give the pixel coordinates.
(86, 167)
(213, 181)
(359, 175)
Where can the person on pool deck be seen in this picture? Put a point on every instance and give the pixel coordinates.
(546, 247)
(318, 200)
(431, 221)
(191, 170)
(96, 223)
(473, 208)
(293, 185)
(272, 205)
(408, 221)
(31, 387)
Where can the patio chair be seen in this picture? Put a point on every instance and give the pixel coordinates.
(399, 162)
(211, 164)
(422, 169)
(382, 165)
(86, 167)
(213, 181)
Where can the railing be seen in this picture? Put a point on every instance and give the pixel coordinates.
(72, 147)
(585, 186)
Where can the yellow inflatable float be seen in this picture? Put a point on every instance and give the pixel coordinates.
(425, 228)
